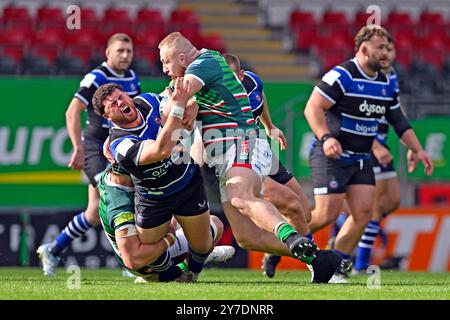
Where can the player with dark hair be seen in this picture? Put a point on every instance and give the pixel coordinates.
(343, 112)
(87, 148)
(165, 185)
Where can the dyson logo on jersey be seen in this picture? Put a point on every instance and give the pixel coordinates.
(368, 108)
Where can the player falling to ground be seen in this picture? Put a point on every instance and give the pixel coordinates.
(165, 185)
(343, 112)
(117, 216)
(241, 158)
(87, 149)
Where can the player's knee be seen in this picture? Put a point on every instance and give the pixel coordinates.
(392, 204)
(131, 263)
(218, 227)
(363, 218)
(245, 241)
(93, 217)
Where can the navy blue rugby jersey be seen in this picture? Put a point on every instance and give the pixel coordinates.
(157, 180)
(359, 102)
(254, 87)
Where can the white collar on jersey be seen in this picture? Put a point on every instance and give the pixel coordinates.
(355, 61)
(112, 71)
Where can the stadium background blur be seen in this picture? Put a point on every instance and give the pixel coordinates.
(289, 43)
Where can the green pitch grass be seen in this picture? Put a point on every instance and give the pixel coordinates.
(219, 284)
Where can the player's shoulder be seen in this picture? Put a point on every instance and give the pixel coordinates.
(149, 101)
(253, 76)
(343, 73)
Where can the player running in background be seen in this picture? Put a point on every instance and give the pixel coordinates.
(280, 187)
(87, 150)
(240, 156)
(343, 112)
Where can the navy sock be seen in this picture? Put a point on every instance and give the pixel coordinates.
(344, 256)
(77, 227)
(165, 268)
(365, 245)
(196, 260)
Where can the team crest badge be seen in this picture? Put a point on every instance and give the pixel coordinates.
(333, 184)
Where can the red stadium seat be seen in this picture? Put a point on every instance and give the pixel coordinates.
(16, 52)
(150, 38)
(214, 42)
(117, 19)
(89, 18)
(361, 20)
(332, 57)
(334, 17)
(399, 18)
(15, 13)
(48, 17)
(46, 50)
(50, 35)
(148, 19)
(301, 20)
(304, 39)
(404, 58)
(181, 19)
(335, 41)
(334, 22)
(432, 18)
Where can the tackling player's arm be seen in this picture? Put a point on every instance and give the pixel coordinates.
(135, 254)
(272, 130)
(73, 122)
(161, 148)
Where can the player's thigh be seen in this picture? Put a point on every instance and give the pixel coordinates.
(393, 194)
(281, 196)
(197, 230)
(328, 206)
(360, 200)
(242, 183)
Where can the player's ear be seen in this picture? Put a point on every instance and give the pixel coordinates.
(107, 51)
(182, 58)
(241, 74)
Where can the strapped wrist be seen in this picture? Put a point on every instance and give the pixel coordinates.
(177, 112)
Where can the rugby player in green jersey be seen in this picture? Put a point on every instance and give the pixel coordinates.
(241, 157)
